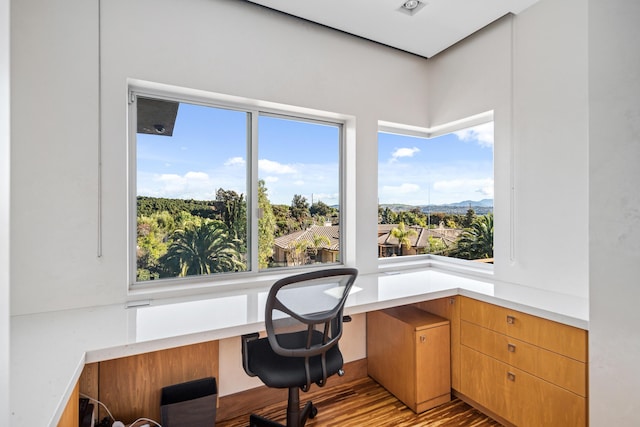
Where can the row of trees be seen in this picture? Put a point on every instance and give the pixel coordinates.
(178, 237)
(415, 216)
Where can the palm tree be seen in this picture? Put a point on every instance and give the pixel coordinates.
(476, 242)
(319, 240)
(404, 236)
(297, 252)
(204, 248)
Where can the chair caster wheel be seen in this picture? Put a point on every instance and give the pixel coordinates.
(313, 412)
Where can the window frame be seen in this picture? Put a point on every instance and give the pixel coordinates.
(254, 109)
(390, 264)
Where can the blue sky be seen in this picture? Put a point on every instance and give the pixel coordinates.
(208, 151)
(450, 168)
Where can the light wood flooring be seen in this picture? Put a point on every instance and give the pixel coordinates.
(364, 402)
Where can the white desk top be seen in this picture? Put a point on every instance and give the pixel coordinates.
(49, 350)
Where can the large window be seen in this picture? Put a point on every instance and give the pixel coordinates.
(435, 194)
(199, 167)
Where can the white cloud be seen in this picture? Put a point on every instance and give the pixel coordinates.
(465, 186)
(403, 152)
(483, 134)
(299, 183)
(196, 176)
(235, 161)
(271, 179)
(269, 166)
(192, 184)
(405, 188)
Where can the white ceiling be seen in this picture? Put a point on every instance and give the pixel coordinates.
(433, 28)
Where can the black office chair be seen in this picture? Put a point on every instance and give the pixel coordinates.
(303, 319)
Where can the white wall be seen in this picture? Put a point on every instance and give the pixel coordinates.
(532, 71)
(5, 155)
(54, 123)
(220, 46)
(614, 210)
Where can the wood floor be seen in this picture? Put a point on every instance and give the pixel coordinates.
(364, 402)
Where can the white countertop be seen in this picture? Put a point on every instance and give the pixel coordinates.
(49, 350)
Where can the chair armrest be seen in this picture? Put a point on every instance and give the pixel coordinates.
(246, 339)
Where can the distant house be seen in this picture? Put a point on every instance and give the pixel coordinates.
(388, 245)
(300, 247)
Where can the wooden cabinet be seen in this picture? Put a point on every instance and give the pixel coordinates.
(527, 370)
(449, 308)
(408, 352)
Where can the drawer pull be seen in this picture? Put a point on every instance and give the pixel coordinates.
(423, 339)
(511, 376)
(511, 320)
(511, 348)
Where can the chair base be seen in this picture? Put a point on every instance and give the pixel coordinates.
(295, 416)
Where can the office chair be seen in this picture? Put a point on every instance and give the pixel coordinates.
(303, 319)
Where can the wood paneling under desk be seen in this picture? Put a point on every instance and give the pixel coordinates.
(70, 416)
(130, 386)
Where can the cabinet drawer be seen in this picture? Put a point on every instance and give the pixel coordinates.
(553, 336)
(553, 367)
(538, 403)
(486, 315)
(517, 396)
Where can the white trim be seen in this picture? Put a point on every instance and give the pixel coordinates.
(429, 260)
(437, 130)
(255, 108)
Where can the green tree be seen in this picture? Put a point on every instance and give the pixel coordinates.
(282, 217)
(151, 243)
(233, 212)
(266, 227)
(321, 209)
(202, 249)
(476, 242)
(299, 208)
(404, 236)
(469, 218)
(436, 246)
(319, 240)
(387, 216)
(297, 254)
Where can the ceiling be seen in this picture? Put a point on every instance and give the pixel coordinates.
(431, 28)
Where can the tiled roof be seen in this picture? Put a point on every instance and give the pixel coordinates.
(420, 239)
(332, 232)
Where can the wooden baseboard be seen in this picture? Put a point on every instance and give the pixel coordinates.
(249, 401)
(482, 409)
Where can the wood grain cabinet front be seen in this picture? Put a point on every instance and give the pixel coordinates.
(408, 352)
(527, 370)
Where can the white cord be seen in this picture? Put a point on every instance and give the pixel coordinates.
(112, 417)
(144, 419)
(103, 405)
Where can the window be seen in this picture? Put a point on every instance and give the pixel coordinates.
(198, 167)
(435, 193)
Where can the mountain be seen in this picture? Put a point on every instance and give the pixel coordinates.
(485, 203)
(481, 207)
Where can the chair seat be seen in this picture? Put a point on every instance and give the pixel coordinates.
(284, 372)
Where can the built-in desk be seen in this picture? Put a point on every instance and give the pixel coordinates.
(49, 350)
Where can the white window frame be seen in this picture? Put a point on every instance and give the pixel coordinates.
(255, 108)
(390, 264)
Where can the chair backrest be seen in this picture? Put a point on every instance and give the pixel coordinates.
(311, 302)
